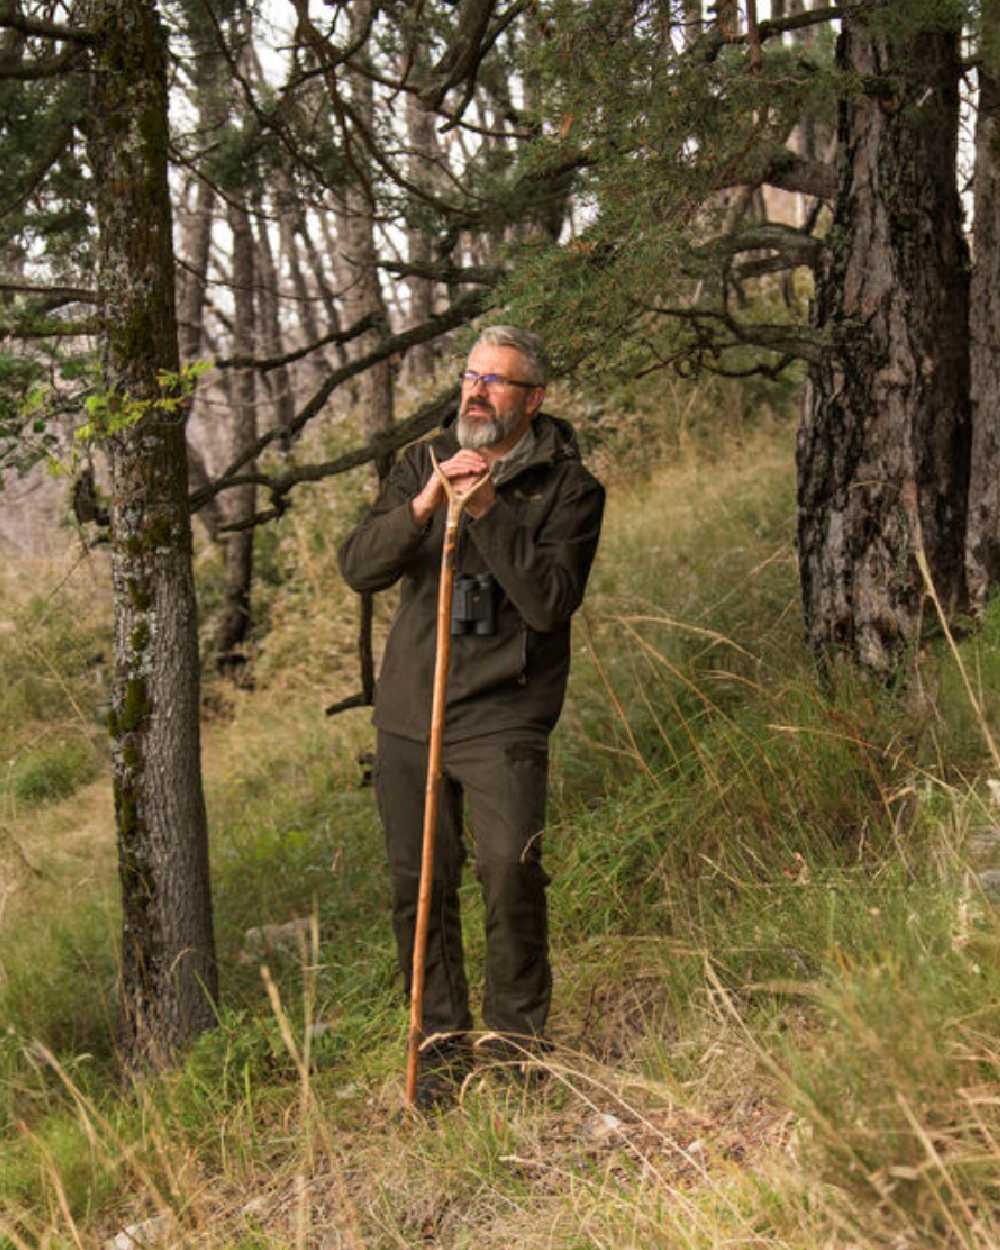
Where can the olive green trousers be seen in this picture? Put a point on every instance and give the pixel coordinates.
(501, 779)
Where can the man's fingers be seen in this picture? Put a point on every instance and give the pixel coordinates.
(464, 464)
(467, 482)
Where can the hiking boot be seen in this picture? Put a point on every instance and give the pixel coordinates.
(443, 1067)
(518, 1060)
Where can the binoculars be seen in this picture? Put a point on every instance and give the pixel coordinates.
(473, 605)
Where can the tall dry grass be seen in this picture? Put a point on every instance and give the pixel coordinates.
(776, 972)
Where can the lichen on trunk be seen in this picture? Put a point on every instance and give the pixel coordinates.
(168, 962)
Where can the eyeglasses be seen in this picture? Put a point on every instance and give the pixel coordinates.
(471, 378)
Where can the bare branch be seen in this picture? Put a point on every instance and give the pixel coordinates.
(761, 369)
(67, 294)
(708, 46)
(280, 485)
(369, 322)
(443, 273)
(787, 339)
(269, 120)
(53, 329)
(795, 245)
(34, 179)
(790, 172)
(765, 265)
(799, 21)
(50, 67)
(333, 56)
(461, 60)
(462, 311)
(470, 75)
(10, 19)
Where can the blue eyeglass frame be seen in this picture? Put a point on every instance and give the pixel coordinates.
(493, 379)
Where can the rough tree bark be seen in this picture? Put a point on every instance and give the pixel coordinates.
(241, 502)
(196, 237)
(364, 293)
(883, 455)
(692, 20)
(420, 360)
(983, 535)
(269, 294)
(727, 16)
(168, 960)
(289, 212)
(316, 265)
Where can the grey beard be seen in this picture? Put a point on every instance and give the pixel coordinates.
(482, 431)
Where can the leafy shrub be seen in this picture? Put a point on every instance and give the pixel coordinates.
(53, 772)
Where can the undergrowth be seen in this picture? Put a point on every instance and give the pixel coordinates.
(776, 969)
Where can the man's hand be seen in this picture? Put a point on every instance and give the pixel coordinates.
(463, 470)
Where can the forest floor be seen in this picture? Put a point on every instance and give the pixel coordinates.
(776, 1008)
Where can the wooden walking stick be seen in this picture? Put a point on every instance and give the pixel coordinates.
(456, 502)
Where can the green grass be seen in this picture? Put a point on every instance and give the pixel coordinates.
(53, 772)
(776, 980)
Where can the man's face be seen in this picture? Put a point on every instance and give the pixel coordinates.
(491, 415)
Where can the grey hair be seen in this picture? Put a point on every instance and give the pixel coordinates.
(529, 345)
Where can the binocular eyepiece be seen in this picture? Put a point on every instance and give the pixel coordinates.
(473, 605)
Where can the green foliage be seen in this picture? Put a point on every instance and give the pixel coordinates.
(25, 437)
(53, 772)
(654, 133)
(36, 125)
(111, 413)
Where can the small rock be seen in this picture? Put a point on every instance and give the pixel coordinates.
(990, 881)
(265, 939)
(603, 1125)
(142, 1236)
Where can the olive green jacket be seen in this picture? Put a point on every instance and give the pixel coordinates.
(538, 541)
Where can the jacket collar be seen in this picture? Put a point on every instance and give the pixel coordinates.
(555, 440)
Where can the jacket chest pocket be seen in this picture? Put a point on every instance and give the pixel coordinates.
(531, 506)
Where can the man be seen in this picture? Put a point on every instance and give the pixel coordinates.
(525, 546)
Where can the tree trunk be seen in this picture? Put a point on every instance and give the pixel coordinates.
(421, 359)
(364, 293)
(269, 288)
(234, 623)
(315, 260)
(289, 214)
(983, 537)
(883, 454)
(195, 241)
(692, 21)
(727, 16)
(168, 959)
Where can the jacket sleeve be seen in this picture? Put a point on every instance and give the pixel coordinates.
(375, 553)
(544, 573)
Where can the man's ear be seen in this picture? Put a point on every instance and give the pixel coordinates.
(536, 400)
